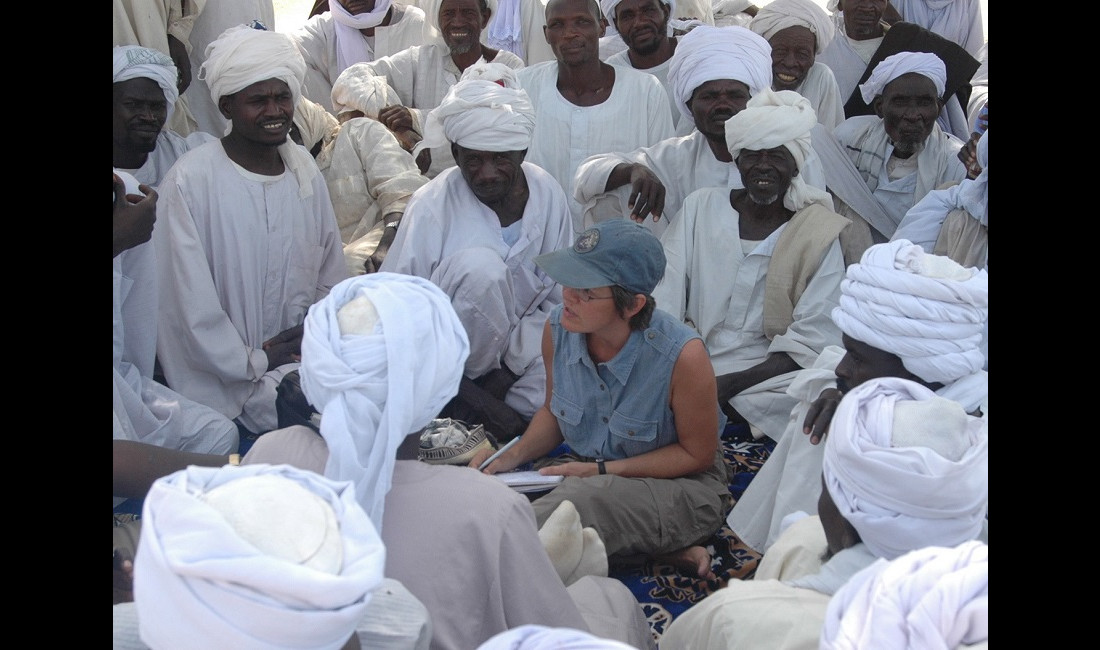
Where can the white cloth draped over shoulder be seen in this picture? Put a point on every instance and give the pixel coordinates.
(959, 21)
(351, 47)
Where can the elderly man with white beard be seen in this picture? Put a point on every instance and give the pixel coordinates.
(757, 270)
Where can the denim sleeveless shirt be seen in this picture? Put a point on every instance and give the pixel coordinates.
(620, 408)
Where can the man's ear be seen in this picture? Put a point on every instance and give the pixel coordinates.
(454, 151)
(876, 104)
(486, 16)
(523, 155)
(223, 106)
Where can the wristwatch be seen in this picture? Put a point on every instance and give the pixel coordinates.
(393, 224)
(600, 464)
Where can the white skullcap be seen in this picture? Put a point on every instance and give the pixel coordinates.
(540, 637)
(480, 115)
(222, 565)
(358, 89)
(375, 389)
(498, 73)
(313, 121)
(133, 61)
(778, 119)
(895, 65)
(935, 597)
(608, 8)
(708, 53)
(781, 14)
(900, 498)
(926, 309)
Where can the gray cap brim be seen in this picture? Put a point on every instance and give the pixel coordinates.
(571, 270)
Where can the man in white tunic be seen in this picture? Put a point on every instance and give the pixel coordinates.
(885, 302)
(584, 105)
(350, 32)
(756, 270)
(475, 230)
(901, 153)
(798, 30)
(247, 238)
(422, 74)
(894, 445)
(713, 73)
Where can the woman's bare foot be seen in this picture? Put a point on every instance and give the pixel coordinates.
(693, 559)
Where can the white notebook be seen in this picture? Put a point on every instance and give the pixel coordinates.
(530, 481)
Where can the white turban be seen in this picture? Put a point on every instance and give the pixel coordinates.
(906, 468)
(934, 597)
(133, 62)
(351, 45)
(498, 73)
(313, 121)
(481, 115)
(242, 56)
(211, 574)
(708, 53)
(926, 309)
(540, 637)
(608, 9)
(781, 14)
(374, 389)
(778, 119)
(895, 65)
(358, 89)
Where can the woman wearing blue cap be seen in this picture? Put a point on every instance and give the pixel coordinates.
(631, 391)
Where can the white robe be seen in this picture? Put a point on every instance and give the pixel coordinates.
(316, 40)
(820, 87)
(240, 258)
(709, 281)
(369, 176)
(170, 146)
(959, 21)
(636, 114)
(681, 124)
(450, 237)
(421, 75)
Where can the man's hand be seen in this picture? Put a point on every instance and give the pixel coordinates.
(285, 347)
(575, 468)
(178, 51)
(816, 424)
(134, 216)
(396, 118)
(123, 576)
(424, 161)
(647, 194)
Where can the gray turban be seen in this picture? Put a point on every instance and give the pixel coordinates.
(133, 62)
(895, 65)
(781, 14)
(907, 468)
(708, 53)
(481, 115)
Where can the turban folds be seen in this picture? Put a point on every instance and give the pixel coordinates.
(926, 309)
(133, 62)
(906, 468)
(540, 637)
(374, 389)
(895, 65)
(357, 89)
(707, 53)
(778, 119)
(934, 597)
(481, 115)
(781, 14)
(200, 581)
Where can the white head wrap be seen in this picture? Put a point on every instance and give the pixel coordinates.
(499, 73)
(481, 115)
(778, 119)
(133, 61)
(933, 597)
(608, 9)
(374, 389)
(540, 637)
(210, 574)
(313, 121)
(351, 46)
(242, 56)
(358, 89)
(926, 309)
(707, 53)
(781, 14)
(906, 477)
(895, 65)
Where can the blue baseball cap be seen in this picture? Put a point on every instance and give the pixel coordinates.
(618, 251)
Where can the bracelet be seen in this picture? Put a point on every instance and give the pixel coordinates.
(234, 459)
(600, 464)
(393, 224)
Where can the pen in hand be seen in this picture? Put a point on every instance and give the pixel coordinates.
(500, 451)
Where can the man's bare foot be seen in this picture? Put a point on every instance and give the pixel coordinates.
(693, 559)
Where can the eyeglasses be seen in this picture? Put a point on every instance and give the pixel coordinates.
(585, 295)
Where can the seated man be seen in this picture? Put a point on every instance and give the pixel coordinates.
(901, 153)
(893, 447)
(474, 231)
(884, 297)
(798, 30)
(756, 270)
(263, 556)
(246, 239)
(382, 354)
